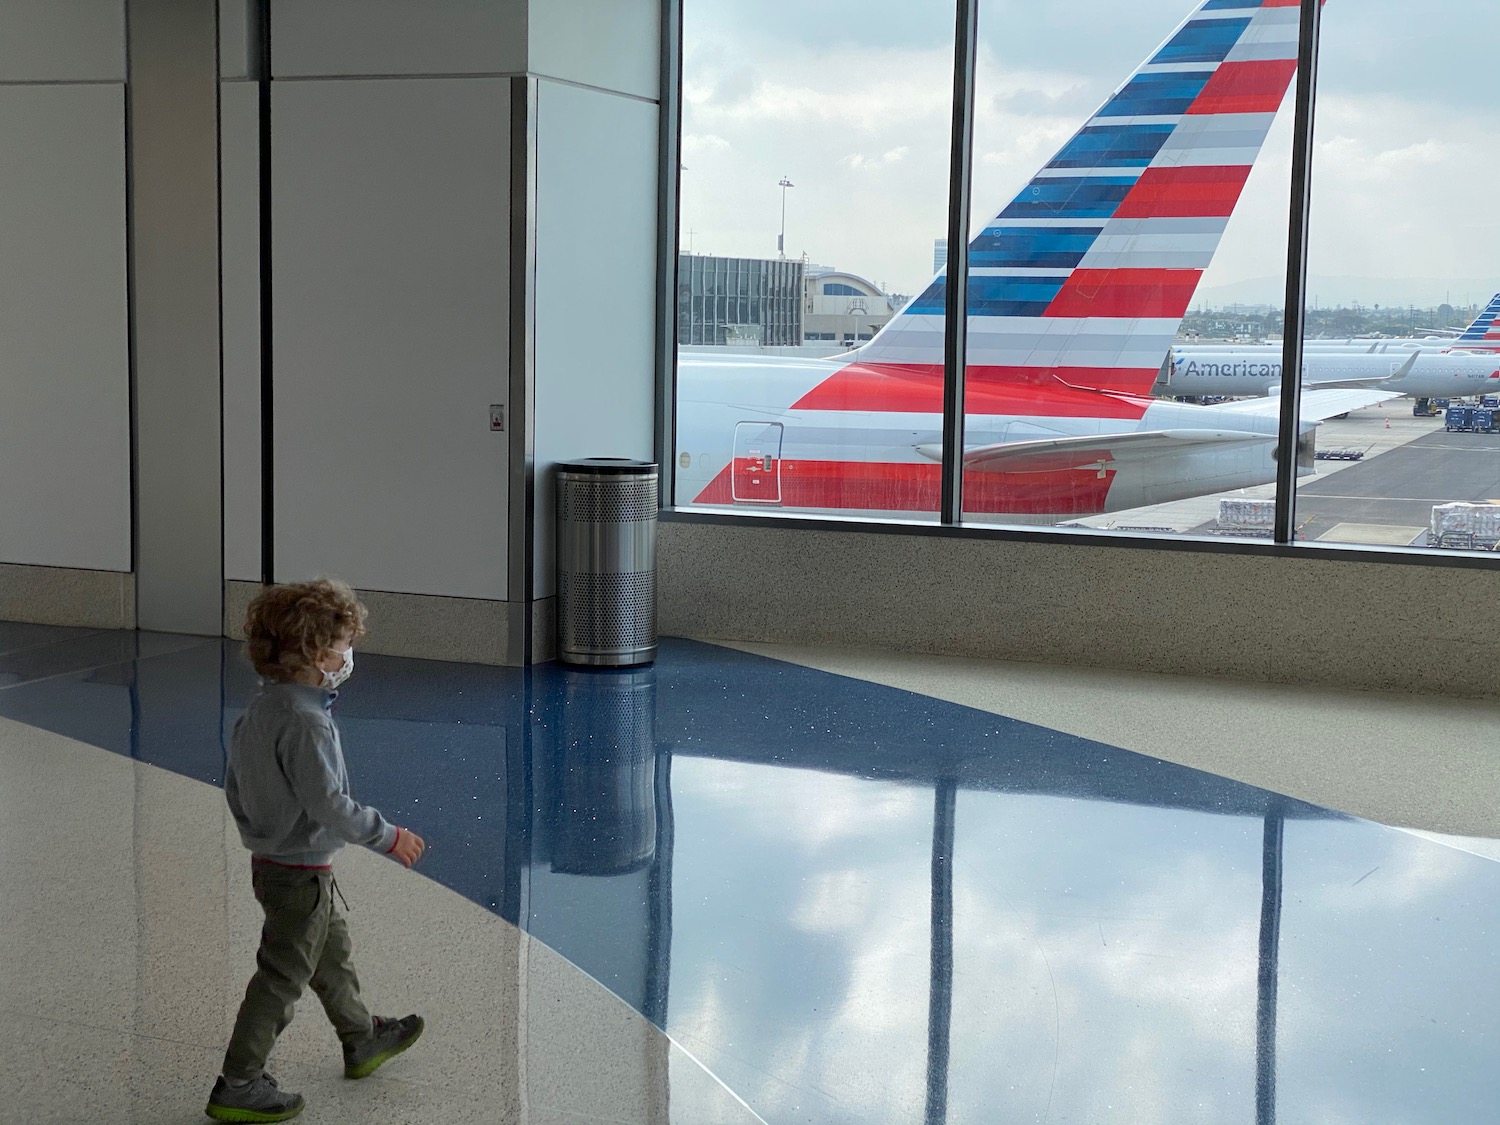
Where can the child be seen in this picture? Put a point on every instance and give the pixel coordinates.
(288, 791)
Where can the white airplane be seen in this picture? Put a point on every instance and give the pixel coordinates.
(1242, 371)
(1076, 291)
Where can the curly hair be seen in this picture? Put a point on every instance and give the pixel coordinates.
(290, 627)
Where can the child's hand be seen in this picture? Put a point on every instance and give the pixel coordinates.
(409, 847)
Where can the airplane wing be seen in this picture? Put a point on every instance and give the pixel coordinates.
(1317, 404)
(1368, 383)
(1371, 382)
(1365, 382)
(1046, 455)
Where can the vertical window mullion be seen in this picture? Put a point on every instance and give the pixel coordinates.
(1295, 316)
(956, 291)
(668, 248)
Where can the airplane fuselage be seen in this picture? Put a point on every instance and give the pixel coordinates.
(1247, 372)
(761, 432)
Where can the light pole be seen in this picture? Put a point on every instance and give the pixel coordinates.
(781, 238)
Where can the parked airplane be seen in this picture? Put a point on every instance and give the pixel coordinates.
(1484, 333)
(1241, 371)
(1076, 291)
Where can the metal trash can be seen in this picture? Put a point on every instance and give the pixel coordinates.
(606, 561)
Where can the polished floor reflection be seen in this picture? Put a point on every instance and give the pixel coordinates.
(851, 903)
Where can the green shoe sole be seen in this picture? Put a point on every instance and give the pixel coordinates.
(371, 1065)
(254, 1116)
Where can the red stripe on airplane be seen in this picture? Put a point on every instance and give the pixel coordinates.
(880, 486)
(1184, 193)
(1056, 392)
(1126, 293)
(1246, 87)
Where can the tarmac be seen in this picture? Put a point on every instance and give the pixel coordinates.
(1383, 499)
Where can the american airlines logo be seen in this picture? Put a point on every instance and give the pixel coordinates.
(1253, 368)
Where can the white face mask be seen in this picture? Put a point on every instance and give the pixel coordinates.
(332, 680)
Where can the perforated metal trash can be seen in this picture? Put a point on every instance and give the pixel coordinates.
(606, 561)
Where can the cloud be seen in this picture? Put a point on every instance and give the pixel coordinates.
(820, 94)
(1396, 191)
(1405, 157)
(704, 142)
(868, 163)
(893, 180)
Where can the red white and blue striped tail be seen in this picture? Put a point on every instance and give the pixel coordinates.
(1484, 333)
(1084, 278)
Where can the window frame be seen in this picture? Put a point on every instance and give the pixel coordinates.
(949, 523)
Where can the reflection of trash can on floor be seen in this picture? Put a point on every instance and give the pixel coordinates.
(604, 772)
(606, 561)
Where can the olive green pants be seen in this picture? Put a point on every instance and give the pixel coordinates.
(304, 942)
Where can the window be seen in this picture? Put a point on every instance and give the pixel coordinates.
(1130, 187)
(857, 187)
(1402, 161)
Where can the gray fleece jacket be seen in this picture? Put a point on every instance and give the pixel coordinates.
(286, 784)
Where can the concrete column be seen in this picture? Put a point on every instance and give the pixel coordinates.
(447, 186)
(596, 67)
(174, 219)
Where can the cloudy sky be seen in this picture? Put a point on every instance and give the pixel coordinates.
(850, 101)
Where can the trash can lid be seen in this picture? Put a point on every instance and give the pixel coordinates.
(608, 465)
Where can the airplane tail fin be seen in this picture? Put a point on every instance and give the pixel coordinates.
(1086, 274)
(1484, 332)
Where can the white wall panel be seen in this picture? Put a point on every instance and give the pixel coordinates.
(595, 287)
(390, 233)
(239, 170)
(62, 41)
(64, 366)
(236, 38)
(318, 38)
(613, 44)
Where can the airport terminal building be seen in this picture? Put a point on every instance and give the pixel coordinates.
(739, 301)
(1018, 746)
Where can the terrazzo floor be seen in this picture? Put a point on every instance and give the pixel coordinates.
(782, 886)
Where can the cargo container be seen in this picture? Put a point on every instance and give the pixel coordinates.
(1465, 525)
(1243, 515)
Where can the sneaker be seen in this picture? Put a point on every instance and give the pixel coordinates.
(388, 1040)
(259, 1101)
